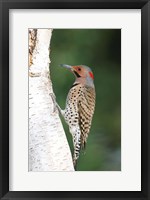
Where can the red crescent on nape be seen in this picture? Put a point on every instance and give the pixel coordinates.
(91, 75)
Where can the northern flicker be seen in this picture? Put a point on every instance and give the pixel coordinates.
(80, 106)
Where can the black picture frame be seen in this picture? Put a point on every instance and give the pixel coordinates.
(5, 5)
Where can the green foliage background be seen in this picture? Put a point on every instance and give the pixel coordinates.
(99, 49)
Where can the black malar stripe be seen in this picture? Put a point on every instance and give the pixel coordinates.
(77, 74)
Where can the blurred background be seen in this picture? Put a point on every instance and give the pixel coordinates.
(99, 49)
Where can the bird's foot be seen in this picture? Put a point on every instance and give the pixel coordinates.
(54, 102)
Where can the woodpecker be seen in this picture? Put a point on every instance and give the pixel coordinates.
(80, 105)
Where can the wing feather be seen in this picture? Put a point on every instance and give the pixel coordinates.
(86, 105)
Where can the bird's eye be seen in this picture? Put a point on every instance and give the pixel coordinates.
(79, 69)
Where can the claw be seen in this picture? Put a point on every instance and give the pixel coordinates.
(54, 102)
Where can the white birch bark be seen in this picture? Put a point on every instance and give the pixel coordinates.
(48, 146)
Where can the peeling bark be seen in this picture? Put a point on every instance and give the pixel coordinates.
(48, 146)
(32, 43)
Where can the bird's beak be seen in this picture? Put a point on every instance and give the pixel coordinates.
(72, 69)
(66, 66)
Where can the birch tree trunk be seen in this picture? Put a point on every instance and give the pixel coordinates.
(48, 146)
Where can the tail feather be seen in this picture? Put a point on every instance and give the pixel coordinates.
(76, 156)
(75, 164)
(83, 146)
